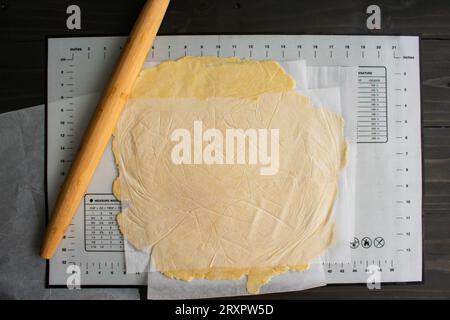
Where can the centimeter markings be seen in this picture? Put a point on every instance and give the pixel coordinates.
(283, 51)
(359, 265)
(68, 144)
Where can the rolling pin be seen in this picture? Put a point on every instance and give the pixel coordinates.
(103, 123)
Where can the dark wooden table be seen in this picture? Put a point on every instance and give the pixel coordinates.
(24, 25)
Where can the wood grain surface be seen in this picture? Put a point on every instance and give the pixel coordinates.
(25, 24)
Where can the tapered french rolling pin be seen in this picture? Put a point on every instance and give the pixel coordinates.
(103, 123)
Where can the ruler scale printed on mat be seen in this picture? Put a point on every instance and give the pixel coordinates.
(388, 232)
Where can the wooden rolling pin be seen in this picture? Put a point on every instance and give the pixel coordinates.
(103, 122)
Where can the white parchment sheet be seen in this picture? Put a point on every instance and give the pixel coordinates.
(325, 84)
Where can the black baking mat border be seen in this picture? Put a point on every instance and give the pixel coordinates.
(47, 272)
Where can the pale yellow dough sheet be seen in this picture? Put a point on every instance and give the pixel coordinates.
(221, 222)
(209, 77)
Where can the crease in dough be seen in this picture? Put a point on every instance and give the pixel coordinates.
(222, 222)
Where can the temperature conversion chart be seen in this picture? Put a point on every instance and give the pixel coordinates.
(388, 226)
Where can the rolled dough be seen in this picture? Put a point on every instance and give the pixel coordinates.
(225, 221)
